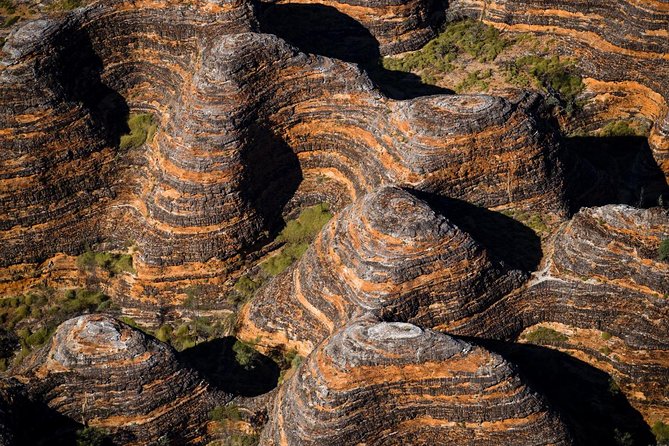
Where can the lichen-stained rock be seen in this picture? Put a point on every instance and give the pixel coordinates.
(114, 377)
(389, 251)
(594, 32)
(396, 25)
(381, 383)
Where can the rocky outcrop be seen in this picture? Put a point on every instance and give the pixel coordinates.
(396, 26)
(394, 383)
(389, 251)
(632, 33)
(101, 372)
(233, 145)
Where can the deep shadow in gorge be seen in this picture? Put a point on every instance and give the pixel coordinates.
(596, 414)
(613, 170)
(325, 31)
(218, 361)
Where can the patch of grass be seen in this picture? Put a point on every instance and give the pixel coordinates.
(661, 432)
(471, 37)
(112, 263)
(475, 81)
(65, 5)
(532, 220)
(545, 335)
(10, 21)
(90, 436)
(296, 237)
(237, 439)
(142, 129)
(606, 335)
(34, 316)
(605, 351)
(246, 286)
(9, 6)
(225, 413)
(663, 250)
(191, 333)
(622, 129)
(553, 75)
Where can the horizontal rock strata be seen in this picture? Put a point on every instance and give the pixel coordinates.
(632, 33)
(245, 124)
(388, 251)
(380, 383)
(102, 372)
(396, 25)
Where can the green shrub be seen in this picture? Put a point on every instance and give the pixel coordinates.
(225, 413)
(474, 81)
(246, 286)
(661, 432)
(606, 335)
(111, 262)
(469, 36)
(236, 439)
(90, 436)
(545, 335)
(553, 75)
(142, 129)
(663, 250)
(622, 129)
(297, 235)
(245, 354)
(605, 350)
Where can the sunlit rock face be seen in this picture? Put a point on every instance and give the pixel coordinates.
(410, 386)
(114, 377)
(389, 251)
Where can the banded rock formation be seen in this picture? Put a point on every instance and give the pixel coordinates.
(634, 33)
(397, 25)
(233, 146)
(380, 383)
(100, 371)
(388, 251)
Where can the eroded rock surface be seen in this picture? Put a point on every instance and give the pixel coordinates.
(389, 251)
(111, 376)
(410, 386)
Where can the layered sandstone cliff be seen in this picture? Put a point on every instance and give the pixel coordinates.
(101, 372)
(388, 251)
(394, 383)
(632, 33)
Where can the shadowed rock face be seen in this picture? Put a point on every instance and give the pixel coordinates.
(100, 371)
(396, 26)
(389, 251)
(410, 386)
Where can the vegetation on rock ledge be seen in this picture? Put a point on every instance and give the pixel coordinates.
(545, 335)
(296, 236)
(142, 129)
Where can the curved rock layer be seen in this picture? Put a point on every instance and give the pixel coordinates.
(388, 251)
(594, 32)
(379, 383)
(397, 25)
(114, 377)
(243, 119)
(602, 277)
